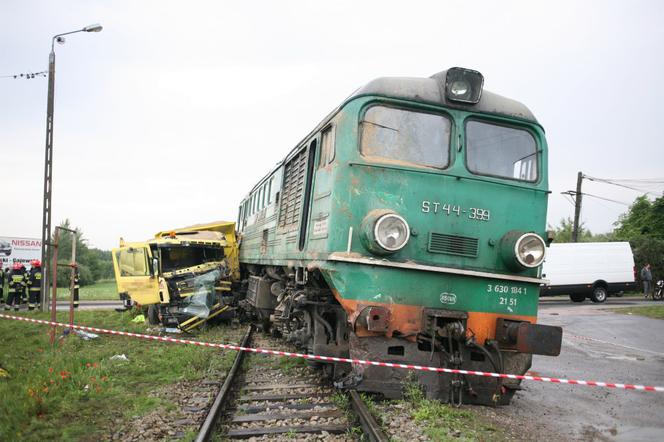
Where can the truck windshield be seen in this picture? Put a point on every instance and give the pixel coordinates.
(417, 138)
(180, 257)
(501, 151)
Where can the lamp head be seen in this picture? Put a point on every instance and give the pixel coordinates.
(93, 28)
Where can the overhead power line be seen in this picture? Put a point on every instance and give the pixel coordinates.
(605, 199)
(632, 186)
(27, 76)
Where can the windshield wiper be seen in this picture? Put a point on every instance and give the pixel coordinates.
(380, 125)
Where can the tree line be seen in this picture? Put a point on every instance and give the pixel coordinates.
(642, 226)
(93, 264)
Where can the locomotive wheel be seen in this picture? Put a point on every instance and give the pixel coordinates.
(599, 294)
(577, 298)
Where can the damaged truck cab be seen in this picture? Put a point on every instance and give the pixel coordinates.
(184, 276)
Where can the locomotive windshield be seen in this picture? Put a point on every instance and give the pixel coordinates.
(414, 137)
(501, 151)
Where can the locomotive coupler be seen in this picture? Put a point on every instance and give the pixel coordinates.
(456, 382)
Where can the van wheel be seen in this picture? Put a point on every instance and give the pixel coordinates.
(153, 315)
(577, 298)
(599, 294)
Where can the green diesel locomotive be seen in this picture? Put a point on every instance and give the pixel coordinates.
(408, 226)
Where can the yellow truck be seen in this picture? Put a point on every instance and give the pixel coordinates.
(185, 276)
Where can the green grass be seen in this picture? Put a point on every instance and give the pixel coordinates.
(287, 365)
(446, 423)
(99, 291)
(73, 391)
(651, 311)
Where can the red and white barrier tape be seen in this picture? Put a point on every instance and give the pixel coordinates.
(335, 359)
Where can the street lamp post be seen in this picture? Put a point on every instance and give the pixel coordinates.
(48, 161)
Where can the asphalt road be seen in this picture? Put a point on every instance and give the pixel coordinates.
(603, 346)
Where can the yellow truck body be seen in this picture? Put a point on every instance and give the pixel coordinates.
(184, 272)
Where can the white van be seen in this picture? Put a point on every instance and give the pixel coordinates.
(592, 270)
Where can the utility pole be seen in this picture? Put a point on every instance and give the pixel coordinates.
(48, 181)
(577, 208)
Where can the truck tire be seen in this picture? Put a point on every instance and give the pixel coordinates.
(577, 298)
(599, 294)
(153, 315)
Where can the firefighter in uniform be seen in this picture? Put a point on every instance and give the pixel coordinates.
(24, 294)
(76, 286)
(2, 285)
(33, 282)
(16, 286)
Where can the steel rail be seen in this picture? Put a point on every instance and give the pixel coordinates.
(206, 430)
(369, 425)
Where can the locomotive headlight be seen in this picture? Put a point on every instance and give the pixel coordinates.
(384, 232)
(529, 250)
(521, 250)
(391, 232)
(463, 85)
(459, 88)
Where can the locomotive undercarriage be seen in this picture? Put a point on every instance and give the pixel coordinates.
(299, 307)
(449, 349)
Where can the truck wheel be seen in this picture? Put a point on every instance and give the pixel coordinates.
(153, 315)
(599, 294)
(577, 298)
(657, 295)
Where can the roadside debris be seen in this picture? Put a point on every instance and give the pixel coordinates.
(139, 319)
(121, 357)
(170, 330)
(86, 336)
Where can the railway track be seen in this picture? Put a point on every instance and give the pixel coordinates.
(267, 398)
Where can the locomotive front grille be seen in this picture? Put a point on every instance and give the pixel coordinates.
(453, 244)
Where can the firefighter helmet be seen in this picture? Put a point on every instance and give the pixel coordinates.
(17, 266)
(35, 263)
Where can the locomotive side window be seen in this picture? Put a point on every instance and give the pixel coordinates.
(413, 137)
(502, 151)
(327, 147)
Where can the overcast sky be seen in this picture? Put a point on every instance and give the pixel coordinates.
(169, 115)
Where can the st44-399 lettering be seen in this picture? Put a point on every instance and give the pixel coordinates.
(474, 213)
